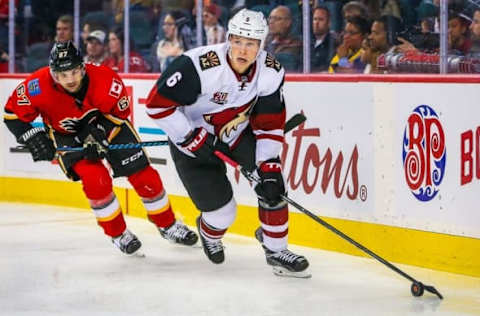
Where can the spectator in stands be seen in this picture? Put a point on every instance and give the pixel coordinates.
(153, 7)
(280, 42)
(3, 61)
(96, 52)
(64, 29)
(475, 33)
(87, 28)
(354, 8)
(4, 4)
(214, 31)
(115, 59)
(347, 59)
(171, 46)
(376, 44)
(391, 8)
(324, 46)
(459, 42)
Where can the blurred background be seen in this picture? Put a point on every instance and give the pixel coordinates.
(333, 36)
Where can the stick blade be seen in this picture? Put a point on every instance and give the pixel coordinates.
(432, 290)
(294, 121)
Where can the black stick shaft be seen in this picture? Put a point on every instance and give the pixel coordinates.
(345, 237)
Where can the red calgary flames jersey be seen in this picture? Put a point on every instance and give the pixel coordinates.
(39, 94)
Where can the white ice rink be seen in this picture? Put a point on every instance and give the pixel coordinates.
(56, 261)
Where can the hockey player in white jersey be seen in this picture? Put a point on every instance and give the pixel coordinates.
(228, 97)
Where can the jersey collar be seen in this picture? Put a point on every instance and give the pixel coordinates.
(248, 75)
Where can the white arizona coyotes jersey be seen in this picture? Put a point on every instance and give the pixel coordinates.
(201, 89)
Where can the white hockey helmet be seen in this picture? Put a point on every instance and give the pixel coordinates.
(250, 24)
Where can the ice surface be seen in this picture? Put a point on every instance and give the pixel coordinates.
(56, 260)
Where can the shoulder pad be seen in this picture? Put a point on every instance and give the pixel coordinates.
(209, 60)
(271, 62)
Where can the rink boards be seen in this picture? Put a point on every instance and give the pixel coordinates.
(392, 161)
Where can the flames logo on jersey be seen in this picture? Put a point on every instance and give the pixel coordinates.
(228, 120)
(209, 60)
(271, 62)
(75, 125)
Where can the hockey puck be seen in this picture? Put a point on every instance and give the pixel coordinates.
(417, 289)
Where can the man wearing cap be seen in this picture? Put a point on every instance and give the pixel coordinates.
(96, 52)
(214, 32)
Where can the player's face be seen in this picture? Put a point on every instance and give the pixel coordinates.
(70, 80)
(243, 52)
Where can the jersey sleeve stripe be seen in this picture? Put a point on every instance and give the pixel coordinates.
(270, 136)
(268, 122)
(115, 120)
(158, 114)
(156, 100)
(10, 116)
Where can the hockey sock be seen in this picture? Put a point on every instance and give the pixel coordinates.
(109, 215)
(159, 211)
(209, 232)
(149, 186)
(274, 223)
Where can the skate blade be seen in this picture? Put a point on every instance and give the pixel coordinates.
(282, 272)
(136, 254)
(196, 245)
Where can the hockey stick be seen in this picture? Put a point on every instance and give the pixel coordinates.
(417, 287)
(293, 122)
(120, 146)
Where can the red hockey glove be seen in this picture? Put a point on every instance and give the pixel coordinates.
(40, 146)
(201, 143)
(271, 184)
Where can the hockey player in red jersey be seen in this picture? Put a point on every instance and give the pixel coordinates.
(87, 105)
(228, 97)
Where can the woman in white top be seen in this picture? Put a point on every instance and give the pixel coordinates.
(171, 45)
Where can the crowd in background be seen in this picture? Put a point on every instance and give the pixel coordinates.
(346, 36)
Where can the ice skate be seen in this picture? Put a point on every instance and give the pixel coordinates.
(213, 250)
(128, 243)
(284, 263)
(179, 233)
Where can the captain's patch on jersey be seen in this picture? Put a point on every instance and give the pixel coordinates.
(116, 89)
(209, 60)
(271, 62)
(123, 103)
(34, 87)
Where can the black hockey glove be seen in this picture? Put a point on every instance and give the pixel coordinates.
(95, 146)
(201, 143)
(271, 184)
(40, 146)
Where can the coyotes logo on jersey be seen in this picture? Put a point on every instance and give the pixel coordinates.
(228, 120)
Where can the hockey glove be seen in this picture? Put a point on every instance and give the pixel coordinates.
(201, 143)
(40, 146)
(95, 146)
(271, 184)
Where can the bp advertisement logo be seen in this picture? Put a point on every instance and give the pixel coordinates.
(424, 153)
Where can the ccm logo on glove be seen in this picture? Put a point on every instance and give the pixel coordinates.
(197, 141)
